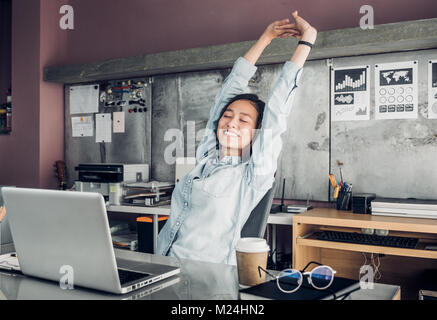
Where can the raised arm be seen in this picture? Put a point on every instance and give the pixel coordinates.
(236, 83)
(268, 144)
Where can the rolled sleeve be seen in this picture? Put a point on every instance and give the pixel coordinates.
(244, 69)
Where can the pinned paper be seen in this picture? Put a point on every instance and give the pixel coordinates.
(84, 99)
(396, 90)
(350, 93)
(118, 124)
(103, 127)
(82, 126)
(432, 89)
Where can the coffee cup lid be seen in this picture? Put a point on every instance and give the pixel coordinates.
(252, 245)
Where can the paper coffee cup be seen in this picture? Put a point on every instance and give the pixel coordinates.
(251, 253)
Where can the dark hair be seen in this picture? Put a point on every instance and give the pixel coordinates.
(255, 101)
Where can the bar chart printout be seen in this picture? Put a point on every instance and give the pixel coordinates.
(350, 94)
(432, 89)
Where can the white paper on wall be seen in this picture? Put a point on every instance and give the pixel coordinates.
(396, 90)
(103, 127)
(432, 89)
(84, 99)
(118, 122)
(82, 126)
(350, 93)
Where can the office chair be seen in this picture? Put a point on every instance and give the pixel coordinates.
(256, 224)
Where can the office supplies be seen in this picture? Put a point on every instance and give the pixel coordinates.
(372, 240)
(334, 185)
(361, 202)
(333, 181)
(127, 240)
(414, 208)
(153, 193)
(70, 231)
(270, 291)
(344, 197)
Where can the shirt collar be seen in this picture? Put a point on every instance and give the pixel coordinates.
(230, 160)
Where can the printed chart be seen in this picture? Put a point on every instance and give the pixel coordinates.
(396, 90)
(350, 93)
(432, 89)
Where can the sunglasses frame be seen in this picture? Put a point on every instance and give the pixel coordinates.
(302, 275)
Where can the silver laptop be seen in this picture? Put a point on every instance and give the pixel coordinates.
(61, 235)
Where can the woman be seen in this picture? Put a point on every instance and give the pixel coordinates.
(210, 204)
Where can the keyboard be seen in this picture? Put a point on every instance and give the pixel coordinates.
(129, 276)
(373, 240)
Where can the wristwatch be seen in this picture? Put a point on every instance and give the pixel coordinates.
(305, 43)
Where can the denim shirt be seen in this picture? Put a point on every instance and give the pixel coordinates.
(210, 205)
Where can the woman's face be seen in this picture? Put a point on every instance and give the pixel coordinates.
(236, 127)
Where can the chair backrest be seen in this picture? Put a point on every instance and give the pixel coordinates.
(255, 225)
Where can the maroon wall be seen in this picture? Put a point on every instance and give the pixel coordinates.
(106, 29)
(19, 151)
(118, 28)
(5, 45)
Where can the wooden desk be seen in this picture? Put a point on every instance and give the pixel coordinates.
(398, 266)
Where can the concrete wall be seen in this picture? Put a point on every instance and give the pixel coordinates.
(106, 29)
(392, 158)
(132, 147)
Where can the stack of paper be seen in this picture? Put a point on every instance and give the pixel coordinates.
(413, 208)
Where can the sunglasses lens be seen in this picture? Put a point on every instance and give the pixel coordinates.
(289, 280)
(322, 277)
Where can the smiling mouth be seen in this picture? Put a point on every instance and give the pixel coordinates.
(230, 134)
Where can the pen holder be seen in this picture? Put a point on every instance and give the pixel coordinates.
(344, 200)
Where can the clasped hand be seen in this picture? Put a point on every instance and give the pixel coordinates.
(300, 29)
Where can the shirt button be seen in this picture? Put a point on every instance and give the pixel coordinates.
(189, 181)
(178, 223)
(185, 203)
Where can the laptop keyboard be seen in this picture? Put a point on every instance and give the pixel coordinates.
(129, 276)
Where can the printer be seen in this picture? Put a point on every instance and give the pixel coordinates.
(109, 178)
